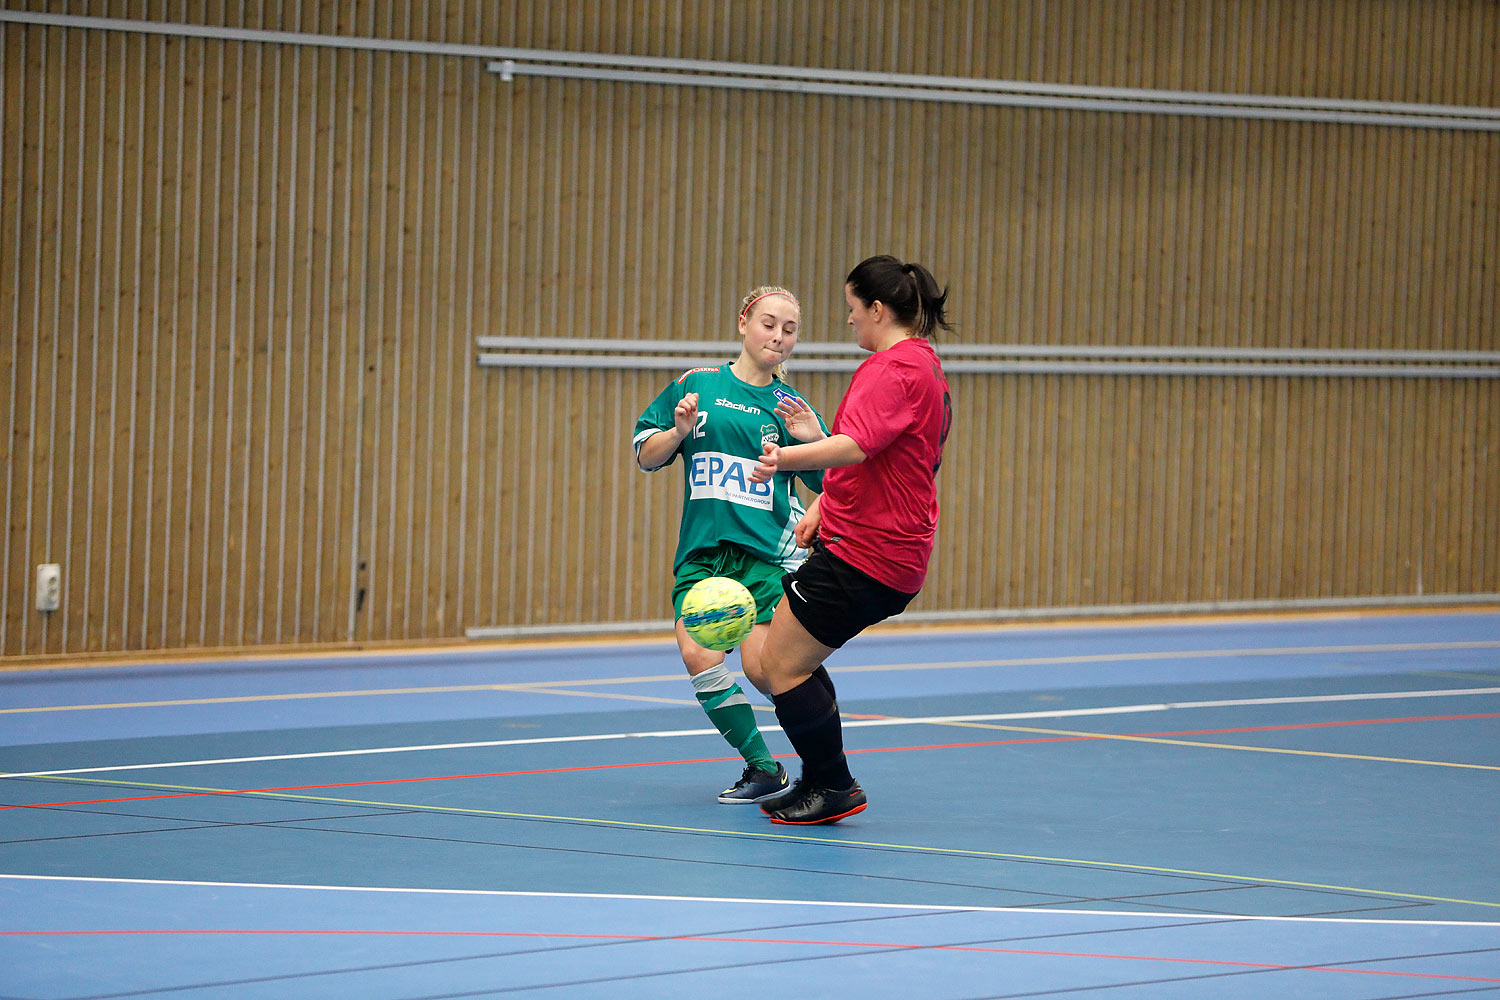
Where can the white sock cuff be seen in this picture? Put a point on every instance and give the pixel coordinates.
(715, 678)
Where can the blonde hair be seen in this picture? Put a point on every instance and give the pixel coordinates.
(758, 293)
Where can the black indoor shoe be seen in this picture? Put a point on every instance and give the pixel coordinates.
(808, 803)
(755, 785)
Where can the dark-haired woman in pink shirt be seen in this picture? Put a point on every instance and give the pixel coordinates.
(872, 529)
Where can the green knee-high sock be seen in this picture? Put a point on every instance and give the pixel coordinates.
(730, 712)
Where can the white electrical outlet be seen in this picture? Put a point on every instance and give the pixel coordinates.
(48, 587)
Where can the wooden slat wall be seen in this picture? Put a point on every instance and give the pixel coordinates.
(1102, 490)
(240, 285)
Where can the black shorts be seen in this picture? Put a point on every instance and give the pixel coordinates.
(835, 602)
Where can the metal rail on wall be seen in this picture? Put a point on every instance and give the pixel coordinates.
(991, 359)
(510, 62)
(1010, 93)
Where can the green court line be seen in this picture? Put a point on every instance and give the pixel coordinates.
(802, 838)
(1453, 675)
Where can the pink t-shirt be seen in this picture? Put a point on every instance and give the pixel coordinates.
(880, 516)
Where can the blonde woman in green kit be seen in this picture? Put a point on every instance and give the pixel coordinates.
(719, 418)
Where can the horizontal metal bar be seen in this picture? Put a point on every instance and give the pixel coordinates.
(677, 364)
(1019, 367)
(930, 81)
(1351, 354)
(705, 348)
(982, 616)
(709, 348)
(910, 86)
(1480, 122)
(1252, 369)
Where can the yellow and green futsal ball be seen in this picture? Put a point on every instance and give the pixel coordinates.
(718, 612)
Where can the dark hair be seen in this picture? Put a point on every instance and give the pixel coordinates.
(909, 291)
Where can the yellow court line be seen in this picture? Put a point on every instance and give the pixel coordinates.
(690, 702)
(693, 702)
(519, 687)
(805, 838)
(1216, 746)
(1053, 661)
(535, 686)
(378, 649)
(1183, 654)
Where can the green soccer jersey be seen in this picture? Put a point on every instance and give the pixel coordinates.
(719, 502)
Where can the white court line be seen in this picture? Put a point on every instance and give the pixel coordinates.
(1060, 713)
(933, 907)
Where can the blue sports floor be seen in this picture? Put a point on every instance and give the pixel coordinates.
(1287, 807)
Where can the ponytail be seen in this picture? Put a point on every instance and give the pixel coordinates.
(908, 289)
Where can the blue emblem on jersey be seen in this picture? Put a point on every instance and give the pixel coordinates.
(782, 394)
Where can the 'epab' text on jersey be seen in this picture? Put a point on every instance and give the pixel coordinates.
(719, 502)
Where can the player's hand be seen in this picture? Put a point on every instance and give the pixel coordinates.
(768, 463)
(800, 419)
(806, 531)
(686, 414)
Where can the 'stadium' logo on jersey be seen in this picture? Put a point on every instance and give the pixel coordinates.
(769, 434)
(730, 404)
(714, 475)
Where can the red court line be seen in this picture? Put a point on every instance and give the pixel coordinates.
(720, 760)
(715, 939)
(378, 781)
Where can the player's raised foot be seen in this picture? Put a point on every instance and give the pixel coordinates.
(755, 785)
(808, 802)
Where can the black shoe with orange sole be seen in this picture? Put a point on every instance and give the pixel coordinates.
(807, 803)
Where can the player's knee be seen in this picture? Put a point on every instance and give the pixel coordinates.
(755, 673)
(775, 669)
(697, 659)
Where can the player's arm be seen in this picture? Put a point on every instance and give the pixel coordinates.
(658, 449)
(830, 453)
(807, 527)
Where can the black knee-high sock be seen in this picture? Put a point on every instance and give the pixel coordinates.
(810, 718)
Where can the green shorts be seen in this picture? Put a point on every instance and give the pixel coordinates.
(762, 579)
